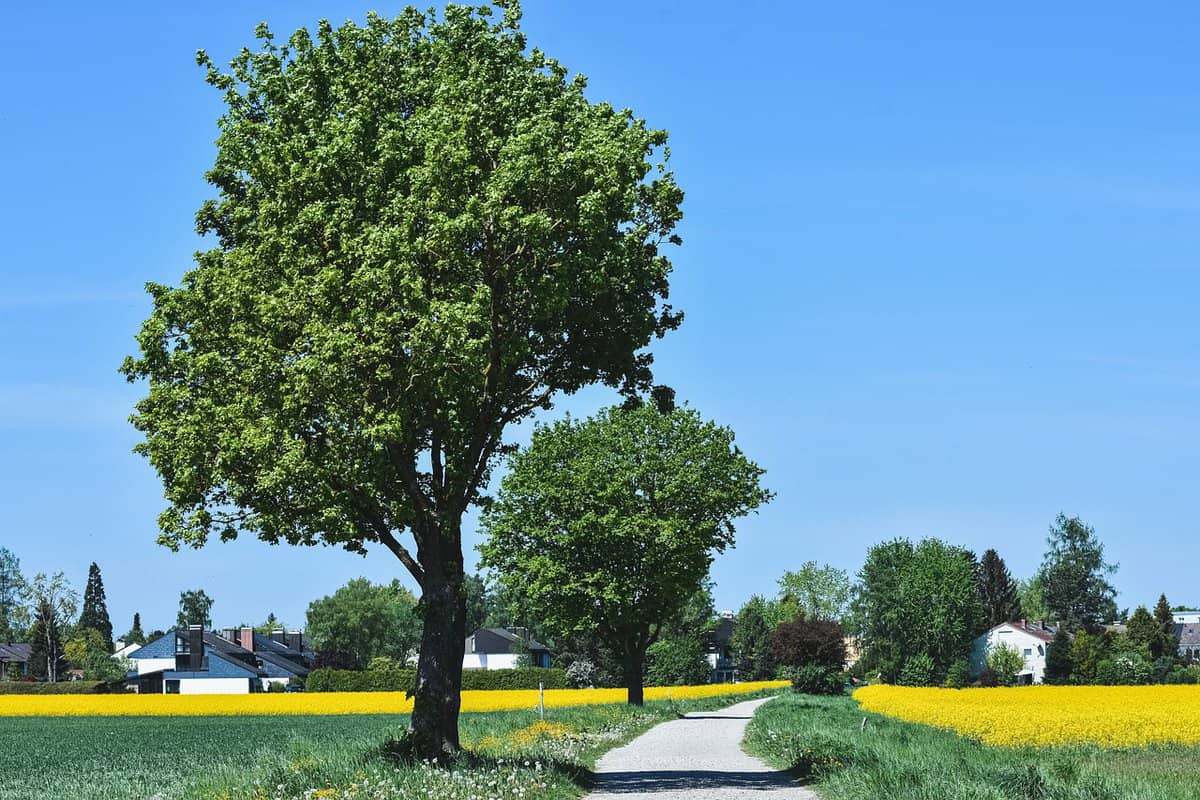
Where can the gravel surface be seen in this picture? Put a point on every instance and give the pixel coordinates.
(698, 757)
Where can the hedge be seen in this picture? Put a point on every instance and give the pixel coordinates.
(403, 680)
(62, 687)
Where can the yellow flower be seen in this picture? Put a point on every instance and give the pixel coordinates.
(1049, 716)
(326, 703)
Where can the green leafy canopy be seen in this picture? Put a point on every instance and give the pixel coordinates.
(423, 233)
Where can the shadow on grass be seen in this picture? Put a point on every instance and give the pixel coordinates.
(400, 752)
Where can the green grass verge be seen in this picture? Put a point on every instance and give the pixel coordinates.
(823, 742)
(289, 758)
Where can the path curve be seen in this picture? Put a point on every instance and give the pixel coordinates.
(698, 757)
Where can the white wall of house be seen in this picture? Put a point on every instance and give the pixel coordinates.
(490, 661)
(214, 686)
(1029, 646)
(1188, 617)
(145, 665)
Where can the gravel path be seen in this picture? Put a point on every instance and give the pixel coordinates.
(698, 757)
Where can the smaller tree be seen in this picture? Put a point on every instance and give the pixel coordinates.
(94, 615)
(269, 625)
(1143, 633)
(918, 670)
(1005, 661)
(816, 591)
(1168, 640)
(363, 620)
(805, 641)
(13, 616)
(54, 603)
(677, 662)
(997, 591)
(750, 641)
(1087, 651)
(135, 635)
(1058, 658)
(195, 608)
(611, 524)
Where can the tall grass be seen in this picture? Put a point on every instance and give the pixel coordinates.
(824, 742)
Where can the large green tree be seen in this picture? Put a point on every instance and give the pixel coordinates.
(1168, 641)
(815, 590)
(425, 232)
(13, 615)
(95, 610)
(916, 600)
(997, 591)
(195, 608)
(611, 523)
(1074, 576)
(364, 620)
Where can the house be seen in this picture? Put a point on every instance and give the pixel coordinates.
(1187, 617)
(718, 649)
(1030, 639)
(1188, 634)
(196, 661)
(499, 648)
(14, 660)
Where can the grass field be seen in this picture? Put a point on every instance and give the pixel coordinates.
(511, 754)
(824, 741)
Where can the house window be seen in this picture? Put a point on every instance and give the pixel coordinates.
(172, 687)
(1027, 653)
(1041, 650)
(182, 646)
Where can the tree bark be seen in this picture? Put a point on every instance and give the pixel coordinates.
(634, 668)
(433, 728)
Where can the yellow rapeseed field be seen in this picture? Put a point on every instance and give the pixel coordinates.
(167, 705)
(1049, 716)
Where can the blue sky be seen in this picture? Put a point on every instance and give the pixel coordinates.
(939, 270)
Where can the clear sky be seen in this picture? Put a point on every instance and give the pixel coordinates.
(939, 269)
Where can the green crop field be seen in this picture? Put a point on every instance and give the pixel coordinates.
(513, 753)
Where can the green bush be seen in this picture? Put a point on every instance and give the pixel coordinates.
(403, 680)
(918, 671)
(959, 675)
(62, 687)
(677, 662)
(815, 679)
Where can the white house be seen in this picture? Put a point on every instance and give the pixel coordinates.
(1030, 639)
(1187, 617)
(499, 648)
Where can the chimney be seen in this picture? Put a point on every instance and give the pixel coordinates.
(279, 637)
(230, 634)
(247, 639)
(295, 641)
(196, 645)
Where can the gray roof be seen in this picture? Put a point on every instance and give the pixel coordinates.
(239, 653)
(500, 640)
(15, 652)
(1188, 633)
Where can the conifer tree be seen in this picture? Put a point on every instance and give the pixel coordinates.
(997, 591)
(1168, 641)
(95, 610)
(135, 635)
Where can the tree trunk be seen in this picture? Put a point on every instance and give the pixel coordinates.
(434, 725)
(634, 670)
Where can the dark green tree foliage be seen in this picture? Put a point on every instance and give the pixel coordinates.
(135, 635)
(920, 599)
(678, 661)
(1074, 576)
(1058, 658)
(1168, 644)
(477, 602)
(95, 611)
(364, 620)
(610, 524)
(11, 584)
(997, 591)
(425, 233)
(808, 641)
(195, 608)
(751, 641)
(1144, 633)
